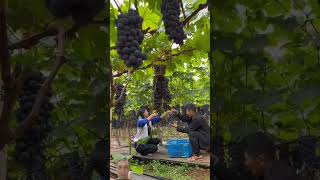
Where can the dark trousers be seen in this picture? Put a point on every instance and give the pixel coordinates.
(149, 147)
(198, 141)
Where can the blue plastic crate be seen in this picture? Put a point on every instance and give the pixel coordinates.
(179, 148)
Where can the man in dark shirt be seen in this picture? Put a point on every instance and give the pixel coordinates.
(198, 131)
(259, 152)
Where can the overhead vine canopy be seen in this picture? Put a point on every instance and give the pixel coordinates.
(78, 85)
(187, 66)
(266, 67)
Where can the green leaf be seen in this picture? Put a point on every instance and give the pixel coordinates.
(137, 169)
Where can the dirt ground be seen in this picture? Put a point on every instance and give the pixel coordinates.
(199, 174)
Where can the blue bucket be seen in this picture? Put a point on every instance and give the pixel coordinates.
(179, 148)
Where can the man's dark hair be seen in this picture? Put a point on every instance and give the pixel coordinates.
(191, 107)
(259, 144)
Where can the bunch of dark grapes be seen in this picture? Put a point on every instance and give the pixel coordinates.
(237, 155)
(159, 70)
(161, 94)
(173, 118)
(307, 147)
(30, 147)
(82, 11)
(170, 10)
(74, 166)
(166, 107)
(119, 106)
(130, 36)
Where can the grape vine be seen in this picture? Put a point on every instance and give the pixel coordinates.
(30, 148)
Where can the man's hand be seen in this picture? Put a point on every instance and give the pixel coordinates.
(174, 125)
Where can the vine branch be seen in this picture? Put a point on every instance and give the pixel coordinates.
(300, 8)
(27, 123)
(122, 92)
(200, 7)
(119, 9)
(29, 42)
(183, 12)
(151, 64)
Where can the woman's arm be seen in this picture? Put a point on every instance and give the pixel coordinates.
(155, 120)
(142, 122)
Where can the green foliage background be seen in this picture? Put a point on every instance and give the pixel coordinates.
(266, 67)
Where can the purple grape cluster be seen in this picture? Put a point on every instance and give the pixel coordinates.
(119, 107)
(161, 94)
(170, 10)
(30, 147)
(130, 36)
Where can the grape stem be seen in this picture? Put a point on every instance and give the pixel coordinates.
(200, 7)
(183, 12)
(27, 123)
(136, 5)
(119, 9)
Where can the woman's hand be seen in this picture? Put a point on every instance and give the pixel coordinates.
(152, 116)
(174, 110)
